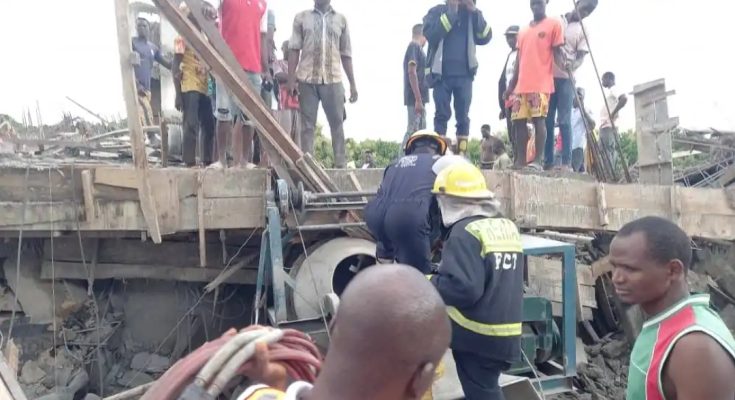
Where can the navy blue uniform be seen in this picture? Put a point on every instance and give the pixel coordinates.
(400, 215)
(452, 62)
(480, 279)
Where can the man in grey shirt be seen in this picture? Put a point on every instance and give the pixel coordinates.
(415, 90)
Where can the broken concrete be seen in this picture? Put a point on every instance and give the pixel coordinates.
(150, 363)
(605, 376)
(35, 295)
(133, 379)
(31, 373)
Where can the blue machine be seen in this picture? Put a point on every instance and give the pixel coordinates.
(273, 276)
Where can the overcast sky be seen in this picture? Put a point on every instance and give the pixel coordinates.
(55, 48)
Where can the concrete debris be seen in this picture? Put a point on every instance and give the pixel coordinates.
(36, 296)
(31, 373)
(133, 379)
(150, 363)
(605, 375)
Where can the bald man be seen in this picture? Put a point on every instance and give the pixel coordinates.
(389, 335)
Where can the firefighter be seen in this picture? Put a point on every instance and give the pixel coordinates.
(480, 278)
(399, 217)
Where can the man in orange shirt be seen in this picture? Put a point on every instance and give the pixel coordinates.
(539, 46)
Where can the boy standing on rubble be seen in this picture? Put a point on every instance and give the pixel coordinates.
(148, 53)
(191, 76)
(539, 46)
(684, 350)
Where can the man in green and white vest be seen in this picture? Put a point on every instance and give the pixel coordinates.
(684, 351)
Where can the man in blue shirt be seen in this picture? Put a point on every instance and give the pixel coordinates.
(149, 53)
(454, 30)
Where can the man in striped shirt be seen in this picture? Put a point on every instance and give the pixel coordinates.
(684, 350)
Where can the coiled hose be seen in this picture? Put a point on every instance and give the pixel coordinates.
(209, 369)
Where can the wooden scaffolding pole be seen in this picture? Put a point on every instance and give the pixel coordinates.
(137, 141)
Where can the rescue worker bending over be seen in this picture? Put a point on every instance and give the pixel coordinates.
(480, 279)
(399, 216)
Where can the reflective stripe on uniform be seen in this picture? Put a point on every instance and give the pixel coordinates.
(445, 22)
(496, 235)
(262, 392)
(484, 34)
(502, 330)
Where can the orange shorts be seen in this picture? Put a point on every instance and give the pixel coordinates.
(529, 105)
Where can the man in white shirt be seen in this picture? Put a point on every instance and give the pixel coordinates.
(575, 49)
(579, 131)
(609, 115)
(511, 36)
(389, 335)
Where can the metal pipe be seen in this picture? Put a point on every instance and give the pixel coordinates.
(321, 196)
(337, 205)
(331, 227)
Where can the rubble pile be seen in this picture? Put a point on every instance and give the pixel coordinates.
(74, 137)
(61, 365)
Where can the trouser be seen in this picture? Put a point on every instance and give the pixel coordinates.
(479, 376)
(560, 105)
(144, 109)
(332, 97)
(416, 122)
(290, 121)
(578, 160)
(461, 89)
(509, 126)
(607, 138)
(198, 117)
(403, 233)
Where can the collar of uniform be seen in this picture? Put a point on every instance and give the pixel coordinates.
(330, 10)
(691, 300)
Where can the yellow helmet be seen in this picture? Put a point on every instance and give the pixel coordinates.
(426, 134)
(462, 180)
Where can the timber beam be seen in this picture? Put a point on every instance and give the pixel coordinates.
(147, 202)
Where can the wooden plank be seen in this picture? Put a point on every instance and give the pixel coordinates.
(164, 143)
(602, 205)
(167, 202)
(41, 187)
(230, 183)
(9, 386)
(88, 191)
(14, 215)
(117, 177)
(233, 213)
(135, 252)
(147, 202)
(200, 223)
(71, 270)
